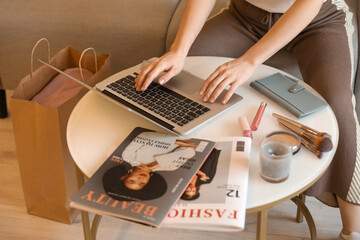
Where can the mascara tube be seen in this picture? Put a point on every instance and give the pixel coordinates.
(3, 107)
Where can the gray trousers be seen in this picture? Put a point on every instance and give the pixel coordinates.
(323, 51)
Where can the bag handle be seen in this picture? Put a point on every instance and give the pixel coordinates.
(82, 54)
(32, 54)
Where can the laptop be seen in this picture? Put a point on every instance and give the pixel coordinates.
(175, 106)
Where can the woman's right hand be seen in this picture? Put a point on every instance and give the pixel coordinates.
(171, 63)
(149, 167)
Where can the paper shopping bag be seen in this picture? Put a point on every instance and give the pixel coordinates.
(46, 167)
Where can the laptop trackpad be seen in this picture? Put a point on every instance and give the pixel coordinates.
(186, 83)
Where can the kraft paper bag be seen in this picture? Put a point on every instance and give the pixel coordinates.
(46, 167)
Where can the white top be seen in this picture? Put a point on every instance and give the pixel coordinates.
(273, 6)
(150, 147)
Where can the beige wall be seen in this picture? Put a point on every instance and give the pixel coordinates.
(129, 30)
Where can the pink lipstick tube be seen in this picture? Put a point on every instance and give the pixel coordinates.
(256, 122)
(245, 126)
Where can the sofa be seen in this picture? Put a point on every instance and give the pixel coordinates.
(130, 31)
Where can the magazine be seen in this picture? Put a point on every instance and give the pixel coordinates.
(215, 200)
(143, 178)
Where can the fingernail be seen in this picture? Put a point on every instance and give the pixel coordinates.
(161, 81)
(205, 98)
(212, 100)
(224, 101)
(201, 92)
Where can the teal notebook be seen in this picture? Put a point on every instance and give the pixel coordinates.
(289, 94)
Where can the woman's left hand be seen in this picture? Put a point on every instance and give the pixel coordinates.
(233, 73)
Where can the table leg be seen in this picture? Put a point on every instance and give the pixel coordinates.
(89, 229)
(305, 211)
(261, 224)
(86, 225)
(84, 215)
(299, 215)
(95, 226)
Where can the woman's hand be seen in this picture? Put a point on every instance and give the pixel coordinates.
(171, 63)
(149, 167)
(202, 176)
(185, 143)
(236, 72)
(195, 14)
(233, 73)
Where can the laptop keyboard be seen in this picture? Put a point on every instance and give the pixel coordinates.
(160, 100)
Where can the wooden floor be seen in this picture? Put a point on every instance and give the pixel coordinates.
(16, 224)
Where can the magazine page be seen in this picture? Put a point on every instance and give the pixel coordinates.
(143, 178)
(215, 200)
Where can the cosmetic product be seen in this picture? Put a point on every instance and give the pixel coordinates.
(291, 137)
(245, 127)
(322, 144)
(256, 122)
(311, 148)
(302, 127)
(308, 145)
(3, 107)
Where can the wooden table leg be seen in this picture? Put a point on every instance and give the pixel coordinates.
(95, 226)
(299, 215)
(86, 225)
(80, 179)
(261, 225)
(305, 211)
(89, 229)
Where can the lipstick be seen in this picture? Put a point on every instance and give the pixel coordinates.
(245, 126)
(256, 122)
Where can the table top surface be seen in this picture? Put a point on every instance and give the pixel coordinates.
(96, 127)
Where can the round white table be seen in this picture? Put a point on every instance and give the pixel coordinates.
(97, 126)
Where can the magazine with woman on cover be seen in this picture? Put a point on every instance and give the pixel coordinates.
(215, 199)
(143, 178)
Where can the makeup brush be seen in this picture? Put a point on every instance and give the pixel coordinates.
(322, 144)
(307, 144)
(302, 127)
(311, 148)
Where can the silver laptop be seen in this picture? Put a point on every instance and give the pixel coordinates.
(175, 106)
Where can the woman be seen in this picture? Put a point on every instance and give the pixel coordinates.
(158, 151)
(204, 176)
(118, 183)
(318, 32)
(192, 191)
(135, 178)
